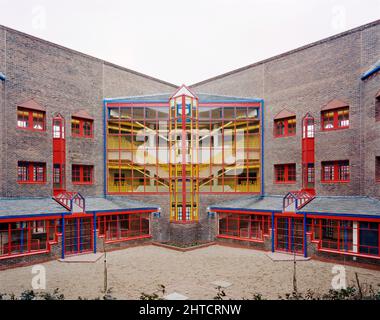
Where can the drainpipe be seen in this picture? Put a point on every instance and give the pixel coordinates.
(304, 235)
(94, 232)
(63, 237)
(273, 231)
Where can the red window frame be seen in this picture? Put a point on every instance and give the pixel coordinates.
(287, 172)
(37, 236)
(82, 128)
(377, 169)
(124, 226)
(247, 227)
(337, 236)
(335, 171)
(284, 127)
(82, 174)
(29, 119)
(31, 172)
(336, 119)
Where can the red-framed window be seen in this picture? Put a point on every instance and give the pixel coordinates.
(377, 169)
(377, 109)
(82, 174)
(251, 227)
(345, 236)
(31, 119)
(27, 237)
(285, 173)
(82, 127)
(285, 127)
(119, 227)
(336, 171)
(31, 172)
(335, 119)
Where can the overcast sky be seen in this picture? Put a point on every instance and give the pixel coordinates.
(185, 41)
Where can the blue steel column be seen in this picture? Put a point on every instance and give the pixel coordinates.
(63, 237)
(304, 235)
(273, 231)
(94, 232)
(262, 148)
(105, 182)
(22, 237)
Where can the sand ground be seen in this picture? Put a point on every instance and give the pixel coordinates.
(142, 269)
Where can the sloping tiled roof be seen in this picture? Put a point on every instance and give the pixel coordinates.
(325, 205)
(284, 113)
(13, 207)
(31, 104)
(252, 203)
(82, 114)
(335, 104)
(344, 205)
(21, 207)
(115, 203)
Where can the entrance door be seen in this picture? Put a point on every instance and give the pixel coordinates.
(289, 234)
(78, 235)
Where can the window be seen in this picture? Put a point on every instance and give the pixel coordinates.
(285, 173)
(82, 174)
(244, 226)
(336, 171)
(285, 127)
(119, 227)
(82, 128)
(30, 119)
(335, 119)
(377, 109)
(25, 237)
(31, 172)
(345, 236)
(377, 169)
(308, 127)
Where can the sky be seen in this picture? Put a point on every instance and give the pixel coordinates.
(185, 41)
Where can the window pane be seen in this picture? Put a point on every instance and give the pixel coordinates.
(328, 120)
(279, 128)
(279, 173)
(292, 126)
(291, 172)
(38, 120)
(343, 118)
(38, 172)
(23, 171)
(22, 118)
(328, 171)
(75, 174)
(87, 173)
(344, 171)
(75, 127)
(87, 128)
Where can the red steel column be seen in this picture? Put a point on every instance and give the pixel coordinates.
(184, 152)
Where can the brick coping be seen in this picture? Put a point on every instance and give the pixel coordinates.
(167, 246)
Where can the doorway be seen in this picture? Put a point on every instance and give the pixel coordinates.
(289, 234)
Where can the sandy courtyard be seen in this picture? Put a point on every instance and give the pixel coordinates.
(142, 269)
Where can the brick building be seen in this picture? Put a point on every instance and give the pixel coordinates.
(283, 154)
